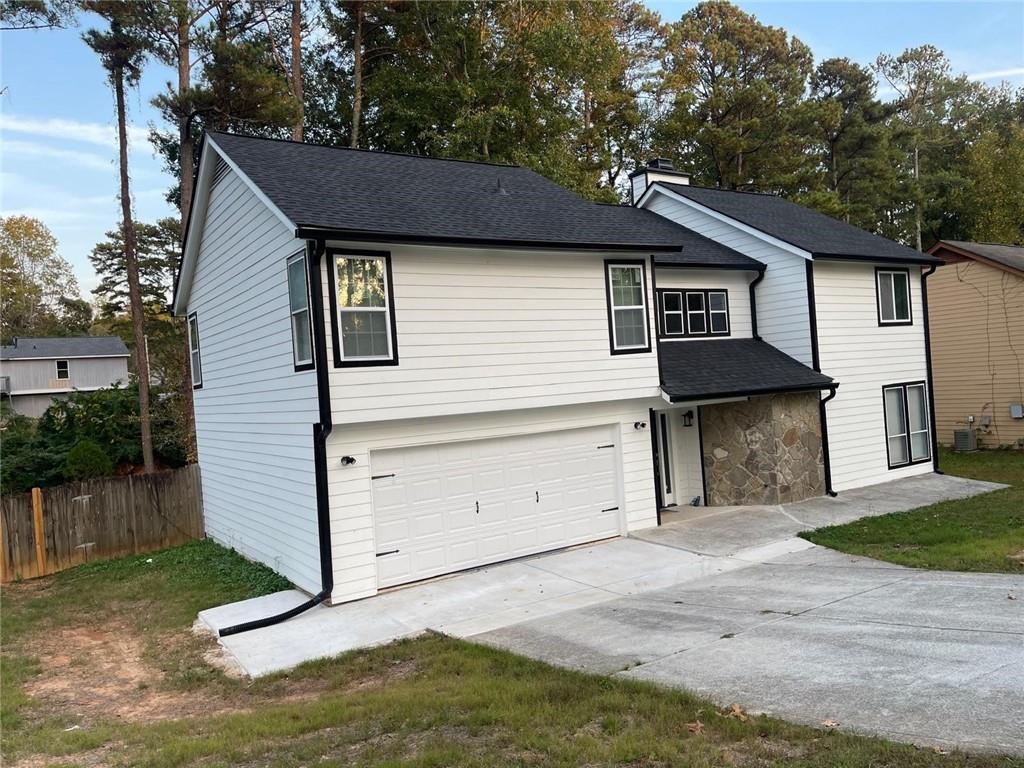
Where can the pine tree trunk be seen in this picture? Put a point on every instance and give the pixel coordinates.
(917, 202)
(132, 268)
(296, 73)
(186, 166)
(357, 75)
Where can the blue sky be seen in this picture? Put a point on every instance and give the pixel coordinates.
(57, 140)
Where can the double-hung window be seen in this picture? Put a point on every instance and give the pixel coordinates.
(194, 358)
(63, 370)
(892, 287)
(365, 325)
(298, 308)
(906, 424)
(693, 312)
(626, 284)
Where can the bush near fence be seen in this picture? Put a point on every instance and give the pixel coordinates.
(51, 529)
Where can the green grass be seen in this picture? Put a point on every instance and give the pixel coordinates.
(432, 701)
(982, 533)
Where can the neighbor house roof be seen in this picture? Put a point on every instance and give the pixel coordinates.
(712, 368)
(820, 235)
(1008, 255)
(359, 194)
(26, 347)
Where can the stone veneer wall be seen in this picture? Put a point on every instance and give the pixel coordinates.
(766, 450)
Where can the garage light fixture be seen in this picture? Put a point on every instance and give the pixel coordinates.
(347, 461)
(688, 419)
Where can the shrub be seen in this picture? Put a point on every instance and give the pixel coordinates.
(87, 460)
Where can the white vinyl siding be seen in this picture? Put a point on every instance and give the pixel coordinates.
(863, 357)
(483, 331)
(38, 376)
(254, 413)
(352, 513)
(735, 282)
(782, 316)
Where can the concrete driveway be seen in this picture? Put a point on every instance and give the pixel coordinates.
(729, 604)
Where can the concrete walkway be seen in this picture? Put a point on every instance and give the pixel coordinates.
(728, 604)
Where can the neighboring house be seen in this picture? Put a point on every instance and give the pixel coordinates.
(37, 371)
(406, 366)
(977, 333)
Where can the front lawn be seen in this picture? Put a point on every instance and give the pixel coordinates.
(982, 533)
(100, 668)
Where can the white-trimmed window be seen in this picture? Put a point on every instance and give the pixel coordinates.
(696, 307)
(907, 433)
(893, 293)
(718, 312)
(194, 358)
(63, 370)
(365, 324)
(672, 316)
(298, 308)
(627, 306)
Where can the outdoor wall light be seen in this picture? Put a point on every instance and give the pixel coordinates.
(639, 425)
(347, 461)
(688, 419)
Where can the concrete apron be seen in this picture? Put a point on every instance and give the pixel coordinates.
(779, 626)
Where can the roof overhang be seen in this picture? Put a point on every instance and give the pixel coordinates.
(209, 152)
(924, 258)
(745, 393)
(972, 256)
(709, 265)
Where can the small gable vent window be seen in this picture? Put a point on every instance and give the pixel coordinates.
(364, 328)
(63, 371)
(194, 359)
(693, 313)
(626, 287)
(298, 307)
(893, 289)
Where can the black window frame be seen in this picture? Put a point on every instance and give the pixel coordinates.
(687, 332)
(608, 265)
(339, 359)
(905, 401)
(296, 364)
(197, 352)
(878, 297)
(67, 370)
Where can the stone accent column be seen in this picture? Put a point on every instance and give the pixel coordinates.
(765, 450)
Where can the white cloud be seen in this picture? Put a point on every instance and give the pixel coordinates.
(35, 149)
(998, 74)
(73, 130)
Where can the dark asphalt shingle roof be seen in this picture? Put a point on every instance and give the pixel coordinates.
(821, 235)
(700, 251)
(429, 199)
(1010, 255)
(26, 348)
(732, 367)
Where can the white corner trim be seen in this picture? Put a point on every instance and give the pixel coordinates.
(197, 217)
(752, 231)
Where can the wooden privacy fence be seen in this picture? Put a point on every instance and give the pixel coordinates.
(51, 529)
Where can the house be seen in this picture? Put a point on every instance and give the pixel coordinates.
(406, 367)
(37, 371)
(977, 331)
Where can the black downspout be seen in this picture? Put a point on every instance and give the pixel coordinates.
(321, 431)
(928, 365)
(753, 304)
(825, 460)
(656, 453)
(812, 317)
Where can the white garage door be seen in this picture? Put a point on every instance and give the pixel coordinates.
(441, 508)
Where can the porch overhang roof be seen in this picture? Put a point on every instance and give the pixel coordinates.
(698, 369)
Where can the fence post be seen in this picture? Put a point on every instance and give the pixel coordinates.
(37, 522)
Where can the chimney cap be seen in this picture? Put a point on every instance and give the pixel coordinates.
(660, 163)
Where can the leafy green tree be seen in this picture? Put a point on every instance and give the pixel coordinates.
(87, 460)
(995, 165)
(735, 87)
(39, 289)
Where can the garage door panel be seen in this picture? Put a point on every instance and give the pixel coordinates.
(535, 493)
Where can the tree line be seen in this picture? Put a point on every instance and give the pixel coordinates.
(580, 91)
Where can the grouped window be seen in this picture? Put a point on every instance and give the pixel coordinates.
(685, 313)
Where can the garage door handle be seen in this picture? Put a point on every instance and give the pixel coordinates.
(389, 552)
(610, 445)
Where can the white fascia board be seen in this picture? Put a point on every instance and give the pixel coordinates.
(55, 390)
(679, 405)
(753, 231)
(61, 357)
(197, 219)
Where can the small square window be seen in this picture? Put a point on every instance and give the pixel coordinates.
(893, 296)
(63, 370)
